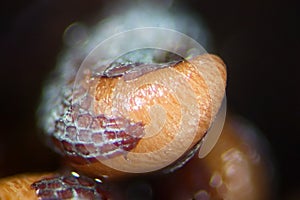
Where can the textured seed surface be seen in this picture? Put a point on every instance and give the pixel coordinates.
(69, 187)
(91, 137)
(134, 70)
(80, 134)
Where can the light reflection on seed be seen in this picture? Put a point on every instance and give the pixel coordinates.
(201, 195)
(216, 180)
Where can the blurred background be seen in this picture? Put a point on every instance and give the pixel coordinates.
(258, 41)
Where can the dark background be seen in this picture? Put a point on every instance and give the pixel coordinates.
(258, 40)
